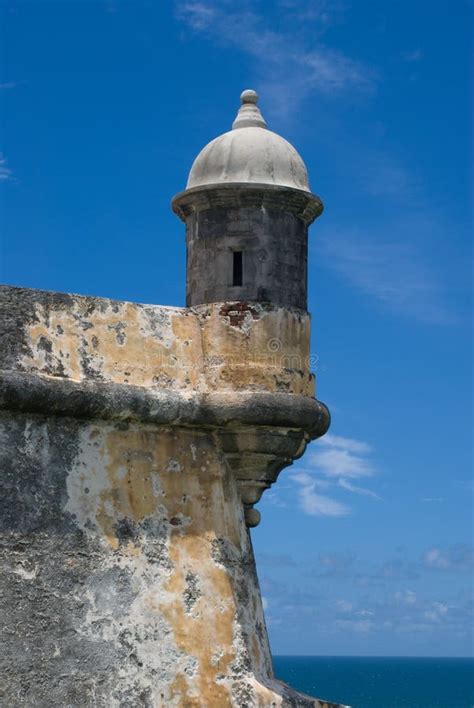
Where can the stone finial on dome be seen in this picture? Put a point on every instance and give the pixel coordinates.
(249, 115)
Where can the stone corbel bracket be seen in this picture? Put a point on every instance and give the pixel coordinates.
(257, 456)
(260, 433)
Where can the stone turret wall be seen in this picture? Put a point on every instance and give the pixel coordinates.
(273, 248)
(267, 226)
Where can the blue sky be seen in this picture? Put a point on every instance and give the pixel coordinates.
(365, 545)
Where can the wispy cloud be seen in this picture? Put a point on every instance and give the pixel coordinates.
(402, 612)
(412, 55)
(405, 597)
(275, 499)
(348, 486)
(455, 559)
(348, 596)
(382, 175)
(391, 271)
(395, 569)
(198, 15)
(437, 611)
(459, 558)
(336, 565)
(6, 85)
(275, 560)
(341, 457)
(5, 172)
(359, 626)
(290, 64)
(335, 464)
(348, 444)
(313, 503)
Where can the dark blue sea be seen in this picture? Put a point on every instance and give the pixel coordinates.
(381, 682)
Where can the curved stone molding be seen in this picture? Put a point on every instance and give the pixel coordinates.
(259, 433)
(305, 205)
(34, 393)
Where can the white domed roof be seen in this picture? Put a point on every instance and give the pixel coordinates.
(249, 153)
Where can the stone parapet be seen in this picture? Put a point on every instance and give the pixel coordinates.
(231, 346)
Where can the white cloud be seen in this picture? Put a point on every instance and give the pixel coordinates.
(5, 172)
(333, 464)
(422, 616)
(274, 498)
(456, 558)
(466, 484)
(412, 55)
(348, 486)
(350, 444)
(381, 175)
(435, 558)
(437, 612)
(275, 560)
(316, 504)
(405, 597)
(341, 463)
(394, 272)
(344, 606)
(344, 458)
(336, 565)
(291, 63)
(358, 626)
(199, 16)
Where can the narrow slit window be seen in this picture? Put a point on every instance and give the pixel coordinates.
(237, 271)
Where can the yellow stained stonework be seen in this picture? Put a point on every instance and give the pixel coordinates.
(189, 577)
(210, 347)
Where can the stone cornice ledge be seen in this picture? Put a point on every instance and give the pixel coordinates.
(35, 393)
(259, 433)
(304, 205)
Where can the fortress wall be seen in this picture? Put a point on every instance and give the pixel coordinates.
(131, 450)
(128, 574)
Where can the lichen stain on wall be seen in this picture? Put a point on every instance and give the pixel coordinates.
(210, 347)
(121, 342)
(256, 347)
(168, 512)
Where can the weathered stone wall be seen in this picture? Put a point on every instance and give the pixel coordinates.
(274, 250)
(223, 346)
(128, 572)
(267, 225)
(134, 441)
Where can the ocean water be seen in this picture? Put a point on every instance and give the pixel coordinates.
(381, 682)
